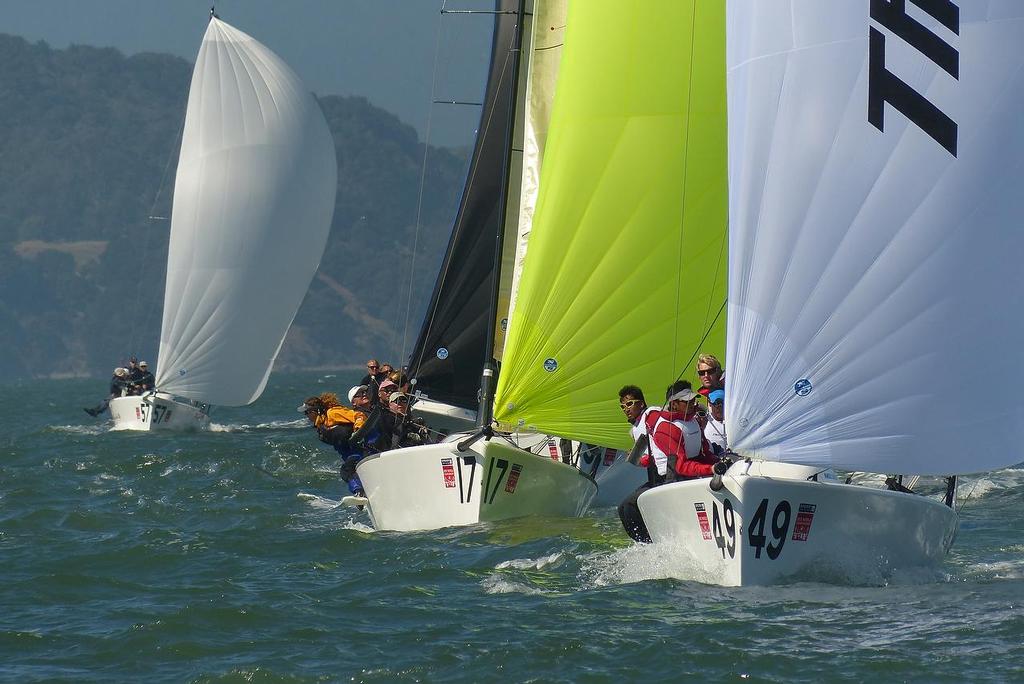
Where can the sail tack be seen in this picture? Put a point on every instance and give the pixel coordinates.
(253, 201)
(625, 273)
(875, 155)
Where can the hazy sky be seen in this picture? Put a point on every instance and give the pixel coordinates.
(386, 50)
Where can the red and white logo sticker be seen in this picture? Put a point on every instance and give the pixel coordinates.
(553, 450)
(804, 518)
(448, 470)
(609, 456)
(702, 520)
(513, 478)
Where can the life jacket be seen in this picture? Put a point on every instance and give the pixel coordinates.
(677, 442)
(336, 426)
(340, 416)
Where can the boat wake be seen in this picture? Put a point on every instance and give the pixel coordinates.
(358, 526)
(317, 501)
(999, 570)
(990, 483)
(642, 562)
(527, 576)
(498, 584)
(551, 561)
(271, 425)
(97, 429)
(354, 519)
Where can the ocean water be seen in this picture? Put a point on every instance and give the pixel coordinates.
(224, 556)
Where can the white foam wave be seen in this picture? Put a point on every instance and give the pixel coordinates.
(96, 429)
(357, 526)
(317, 501)
(1007, 569)
(641, 562)
(270, 425)
(496, 584)
(995, 482)
(553, 560)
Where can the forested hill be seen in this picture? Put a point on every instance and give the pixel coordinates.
(88, 144)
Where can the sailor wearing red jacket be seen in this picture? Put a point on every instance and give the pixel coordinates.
(676, 441)
(669, 443)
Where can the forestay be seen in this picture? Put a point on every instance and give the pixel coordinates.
(452, 346)
(875, 154)
(624, 279)
(253, 201)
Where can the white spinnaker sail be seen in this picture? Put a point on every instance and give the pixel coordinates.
(253, 201)
(876, 277)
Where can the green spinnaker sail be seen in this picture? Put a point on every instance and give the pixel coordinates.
(625, 276)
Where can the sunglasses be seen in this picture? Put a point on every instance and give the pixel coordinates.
(708, 371)
(629, 403)
(372, 367)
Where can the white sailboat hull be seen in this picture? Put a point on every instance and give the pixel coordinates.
(617, 481)
(770, 522)
(158, 411)
(435, 486)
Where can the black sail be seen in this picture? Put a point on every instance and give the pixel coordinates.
(452, 345)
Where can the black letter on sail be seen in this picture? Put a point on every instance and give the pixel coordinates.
(884, 86)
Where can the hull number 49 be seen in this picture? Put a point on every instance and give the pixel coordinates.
(766, 531)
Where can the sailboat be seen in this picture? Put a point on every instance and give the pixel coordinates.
(874, 156)
(600, 304)
(253, 201)
(492, 475)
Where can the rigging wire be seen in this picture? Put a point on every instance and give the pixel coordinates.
(708, 327)
(483, 127)
(420, 192)
(133, 337)
(963, 504)
(707, 331)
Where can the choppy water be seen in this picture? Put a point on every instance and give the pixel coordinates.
(222, 556)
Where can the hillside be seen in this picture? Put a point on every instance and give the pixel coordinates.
(88, 141)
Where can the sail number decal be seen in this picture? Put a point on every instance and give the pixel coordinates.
(161, 414)
(765, 533)
(460, 473)
(721, 527)
(506, 472)
(729, 518)
(779, 526)
(886, 87)
(778, 523)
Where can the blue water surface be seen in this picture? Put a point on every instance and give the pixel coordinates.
(224, 556)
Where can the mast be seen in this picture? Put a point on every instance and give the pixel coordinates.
(450, 348)
(489, 376)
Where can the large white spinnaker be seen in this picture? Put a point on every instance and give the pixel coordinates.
(875, 277)
(253, 201)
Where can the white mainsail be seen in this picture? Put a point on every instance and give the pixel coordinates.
(875, 157)
(253, 201)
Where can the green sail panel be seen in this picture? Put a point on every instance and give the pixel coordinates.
(625, 276)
